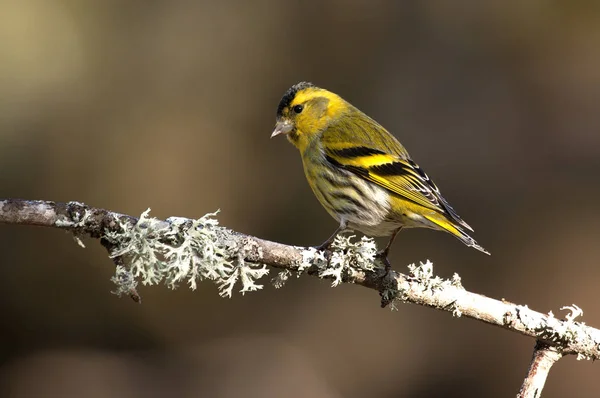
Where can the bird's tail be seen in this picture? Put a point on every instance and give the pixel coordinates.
(444, 224)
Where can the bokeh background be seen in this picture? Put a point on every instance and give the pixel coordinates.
(133, 104)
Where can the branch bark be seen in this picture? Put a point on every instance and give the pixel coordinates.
(555, 337)
(544, 356)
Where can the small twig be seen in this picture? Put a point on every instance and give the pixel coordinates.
(544, 356)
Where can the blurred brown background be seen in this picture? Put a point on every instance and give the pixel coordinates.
(169, 104)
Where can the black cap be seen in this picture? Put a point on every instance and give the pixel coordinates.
(290, 94)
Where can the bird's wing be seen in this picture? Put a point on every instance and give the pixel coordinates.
(372, 153)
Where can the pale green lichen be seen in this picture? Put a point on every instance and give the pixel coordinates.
(180, 250)
(246, 275)
(346, 255)
(422, 279)
(570, 329)
(428, 282)
(124, 280)
(281, 278)
(78, 240)
(77, 220)
(563, 332)
(424, 273)
(310, 257)
(456, 281)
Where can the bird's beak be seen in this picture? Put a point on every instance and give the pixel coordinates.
(282, 127)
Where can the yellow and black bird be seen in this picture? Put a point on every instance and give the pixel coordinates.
(359, 172)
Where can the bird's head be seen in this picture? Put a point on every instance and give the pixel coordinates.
(305, 111)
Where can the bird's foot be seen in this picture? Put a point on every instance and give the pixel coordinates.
(325, 247)
(382, 256)
(387, 282)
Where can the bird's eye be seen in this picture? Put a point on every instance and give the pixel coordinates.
(298, 108)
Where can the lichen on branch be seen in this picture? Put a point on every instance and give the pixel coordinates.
(180, 251)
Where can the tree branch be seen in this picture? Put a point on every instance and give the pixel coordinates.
(544, 356)
(180, 250)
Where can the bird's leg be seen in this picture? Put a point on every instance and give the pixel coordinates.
(325, 245)
(383, 254)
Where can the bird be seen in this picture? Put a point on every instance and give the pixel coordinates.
(361, 174)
